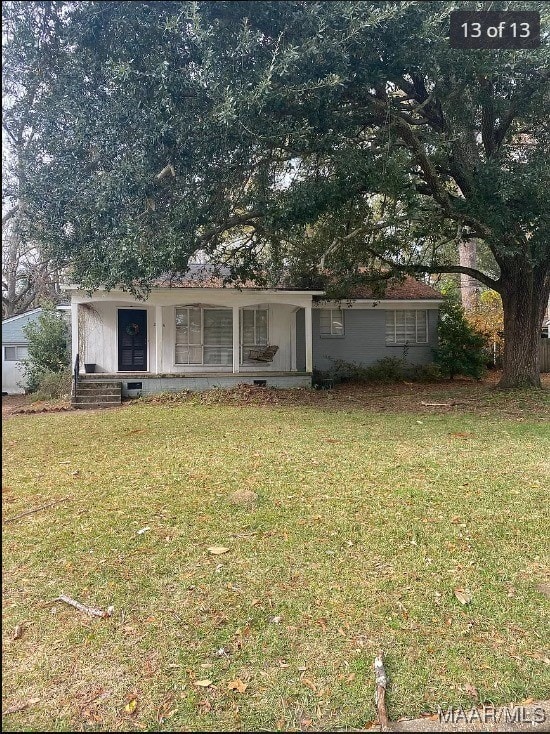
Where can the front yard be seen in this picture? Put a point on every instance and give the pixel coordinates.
(365, 524)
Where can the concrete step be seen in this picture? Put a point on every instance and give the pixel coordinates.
(97, 393)
(101, 390)
(82, 382)
(96, 399)
(94, 406)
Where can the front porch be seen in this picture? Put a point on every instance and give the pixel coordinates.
(194, 339)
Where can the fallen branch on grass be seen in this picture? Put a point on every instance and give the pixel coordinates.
(20, 706)
(37, 509)
(92, 611)
(437, 405)
(380, 692)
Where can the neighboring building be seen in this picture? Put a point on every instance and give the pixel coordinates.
(14, 349)
(193, 333)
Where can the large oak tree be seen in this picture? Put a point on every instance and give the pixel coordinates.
(345, 137)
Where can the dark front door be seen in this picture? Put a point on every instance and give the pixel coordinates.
(132, 339)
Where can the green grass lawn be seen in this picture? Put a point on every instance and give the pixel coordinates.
(365, 525)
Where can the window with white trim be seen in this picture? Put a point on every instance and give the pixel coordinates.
(254, 329)
(204, 336)
(15, 354)
(331, 322)
(407, 327)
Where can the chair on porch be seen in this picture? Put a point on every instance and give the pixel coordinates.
(265, 354)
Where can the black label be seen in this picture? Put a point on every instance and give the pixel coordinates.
(494, 29)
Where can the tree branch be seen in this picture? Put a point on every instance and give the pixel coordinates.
(231, 222)
(418, 268)
(10, 214)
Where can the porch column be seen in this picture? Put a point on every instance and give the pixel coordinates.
(293, 340)
(308, 337)
(74, 333)
(236, 345)
(158, 340)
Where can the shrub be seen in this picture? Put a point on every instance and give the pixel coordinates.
(461, 348)
(388, 369)
(48, 342)
(425, 372)
(54, 385)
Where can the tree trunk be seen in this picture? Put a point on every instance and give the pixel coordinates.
(469, 287)
(525, 295)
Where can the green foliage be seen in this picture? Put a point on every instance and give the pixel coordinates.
(461, 349)
(48, 343)
(385, 370)
(430, 372)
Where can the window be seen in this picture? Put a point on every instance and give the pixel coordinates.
(15, 354)
(204, 336)
(331, 322)
(253, 329)
(407, 327)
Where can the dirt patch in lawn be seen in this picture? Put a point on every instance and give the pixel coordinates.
(23, 405)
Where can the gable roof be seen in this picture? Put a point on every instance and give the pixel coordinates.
(205, 276)
(12, 328)
(409, 289)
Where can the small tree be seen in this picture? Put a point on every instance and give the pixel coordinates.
(461, 347)
(488, 318)
(48, 339)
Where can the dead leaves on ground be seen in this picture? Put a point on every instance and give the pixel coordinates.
(131, 706)
(463, 596)
(217, 550)
(237, 685)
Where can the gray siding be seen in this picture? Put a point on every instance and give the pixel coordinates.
(364, 341)
(12, 329)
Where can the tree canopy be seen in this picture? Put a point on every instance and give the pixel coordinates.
(345, 137)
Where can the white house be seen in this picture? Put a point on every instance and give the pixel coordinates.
(193, 333)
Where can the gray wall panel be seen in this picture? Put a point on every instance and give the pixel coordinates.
(364, 341)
